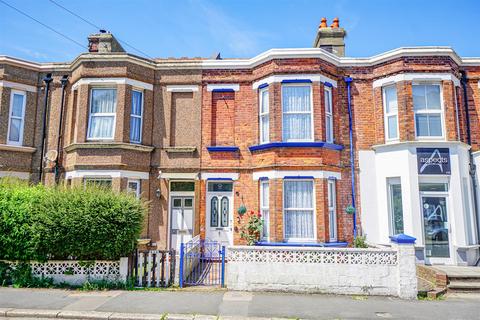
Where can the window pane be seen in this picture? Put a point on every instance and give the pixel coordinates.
(331, 224)
(329, 131)
(15, 125)
(17, 105)
(328, 101)
(218, 186)
(137, 103)
(299, 224)
(135, 129)
(296, 98)
(433, 97)
(418, 92)
(103, 101)
(224, 210)
(102, 183)
(392, 127)
(435, 187)
(298, 194)
(435, 125)
(421, 123)
(297, 127)
(264, 128)
(177, 203)
(182, 186)
(101, 127)
(396, 208)
(188, 202)
(214, 212)
(390, 99)
(264, 99)
(265, 194)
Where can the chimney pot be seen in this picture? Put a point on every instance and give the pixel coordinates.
(336, 23)
(323, 23)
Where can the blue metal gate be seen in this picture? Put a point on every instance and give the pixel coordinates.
(202, 263)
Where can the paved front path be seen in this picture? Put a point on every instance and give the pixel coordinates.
(227, 303)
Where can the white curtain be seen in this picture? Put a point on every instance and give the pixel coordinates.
(298, 203)
(297, 113)
(102, 113)
(136, 117)
(264, 208)
(264, 116)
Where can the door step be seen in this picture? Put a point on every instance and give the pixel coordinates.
(464, 285)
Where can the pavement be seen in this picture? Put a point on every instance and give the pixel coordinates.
(221, 304)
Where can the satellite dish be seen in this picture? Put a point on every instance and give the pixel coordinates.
(51, 155)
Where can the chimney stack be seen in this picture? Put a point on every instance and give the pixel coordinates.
(331, 38)
(103, 42)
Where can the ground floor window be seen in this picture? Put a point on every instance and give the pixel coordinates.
(99, 182)
(179, 186)
(299, 222)
(395, 205)
(133, 186)
(264, 208)
(332, 210)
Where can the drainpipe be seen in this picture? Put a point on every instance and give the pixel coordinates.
(48, 78)
(472, 167)
(64, 82)
(348, 81)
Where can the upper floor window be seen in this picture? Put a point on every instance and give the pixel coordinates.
(328, 115)
(264, 118)
(136, 116)
(16, 118)
(390, 107)
(297, 112)
(427, 107)
(103, 107)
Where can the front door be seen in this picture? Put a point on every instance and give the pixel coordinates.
(182, 221)
(436, 229)
(220, 212)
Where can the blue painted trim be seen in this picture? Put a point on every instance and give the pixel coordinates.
(317, 144)
(222, 149)
(328, 84)
(263, 179)
(298, 177)
(223, 266)
(297, 81)
(403, 239)
(301, 244)
(223, 90)
(182, 256)
(332, 178)
(220, 179)
(348, 81)
(263, 85)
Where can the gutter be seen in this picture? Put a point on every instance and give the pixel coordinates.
(472, 167)
(348, 81)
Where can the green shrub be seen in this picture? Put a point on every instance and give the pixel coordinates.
(360, 242)
(40, 223)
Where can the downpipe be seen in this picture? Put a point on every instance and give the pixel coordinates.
(348, 81)
(472, 167)
(48, 78)
(64, 82)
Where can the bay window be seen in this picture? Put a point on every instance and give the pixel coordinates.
(16, 118)
(328, 115)
(390, 107)
(298, 215)
(136, 117)
(297, 112)
(264, 208)
(103, 107)
(332, 210)
(427, 107)
(264, 118)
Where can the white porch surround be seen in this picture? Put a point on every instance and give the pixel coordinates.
(112, 81)
(182, 88)
(399, 160)
(107, 173)
(179, 175)
(280, 174)
(387, 271)
(17, 86)
(219, 175)
(280, 78)
(227, 86)
(416, 77)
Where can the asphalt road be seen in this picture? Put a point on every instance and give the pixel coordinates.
(244, 304)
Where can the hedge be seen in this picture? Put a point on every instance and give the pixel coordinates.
(85, 223)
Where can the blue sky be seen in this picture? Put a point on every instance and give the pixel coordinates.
(242, 28)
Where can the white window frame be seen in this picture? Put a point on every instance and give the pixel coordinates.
(95, 178)
(137, 191)
(22, 119)
(137, 116)
(311, 139)
(390, 182)
(105, 114)
(426, 112)
(262, 115)
(328, 114)
(314, 211)
(332, 209)
(264, 208)
(387, 115)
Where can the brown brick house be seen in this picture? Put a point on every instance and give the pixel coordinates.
(202, 138)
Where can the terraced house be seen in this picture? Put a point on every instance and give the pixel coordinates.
(325, 146)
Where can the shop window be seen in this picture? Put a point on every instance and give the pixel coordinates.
(395, 205)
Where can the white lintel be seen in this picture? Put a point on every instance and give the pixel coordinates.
(416, 77)
(280, 78)
(226, 86)
(17, 86)
(107, 174)
(280, 174)
(219, 175)
(182, 88)
(113, 81)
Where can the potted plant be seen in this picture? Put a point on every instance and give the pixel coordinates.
(252, 229)
(350, 209)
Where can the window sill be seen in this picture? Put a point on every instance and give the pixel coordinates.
(223, 149)
(17, 148)
(273, 145)
(109, 145)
